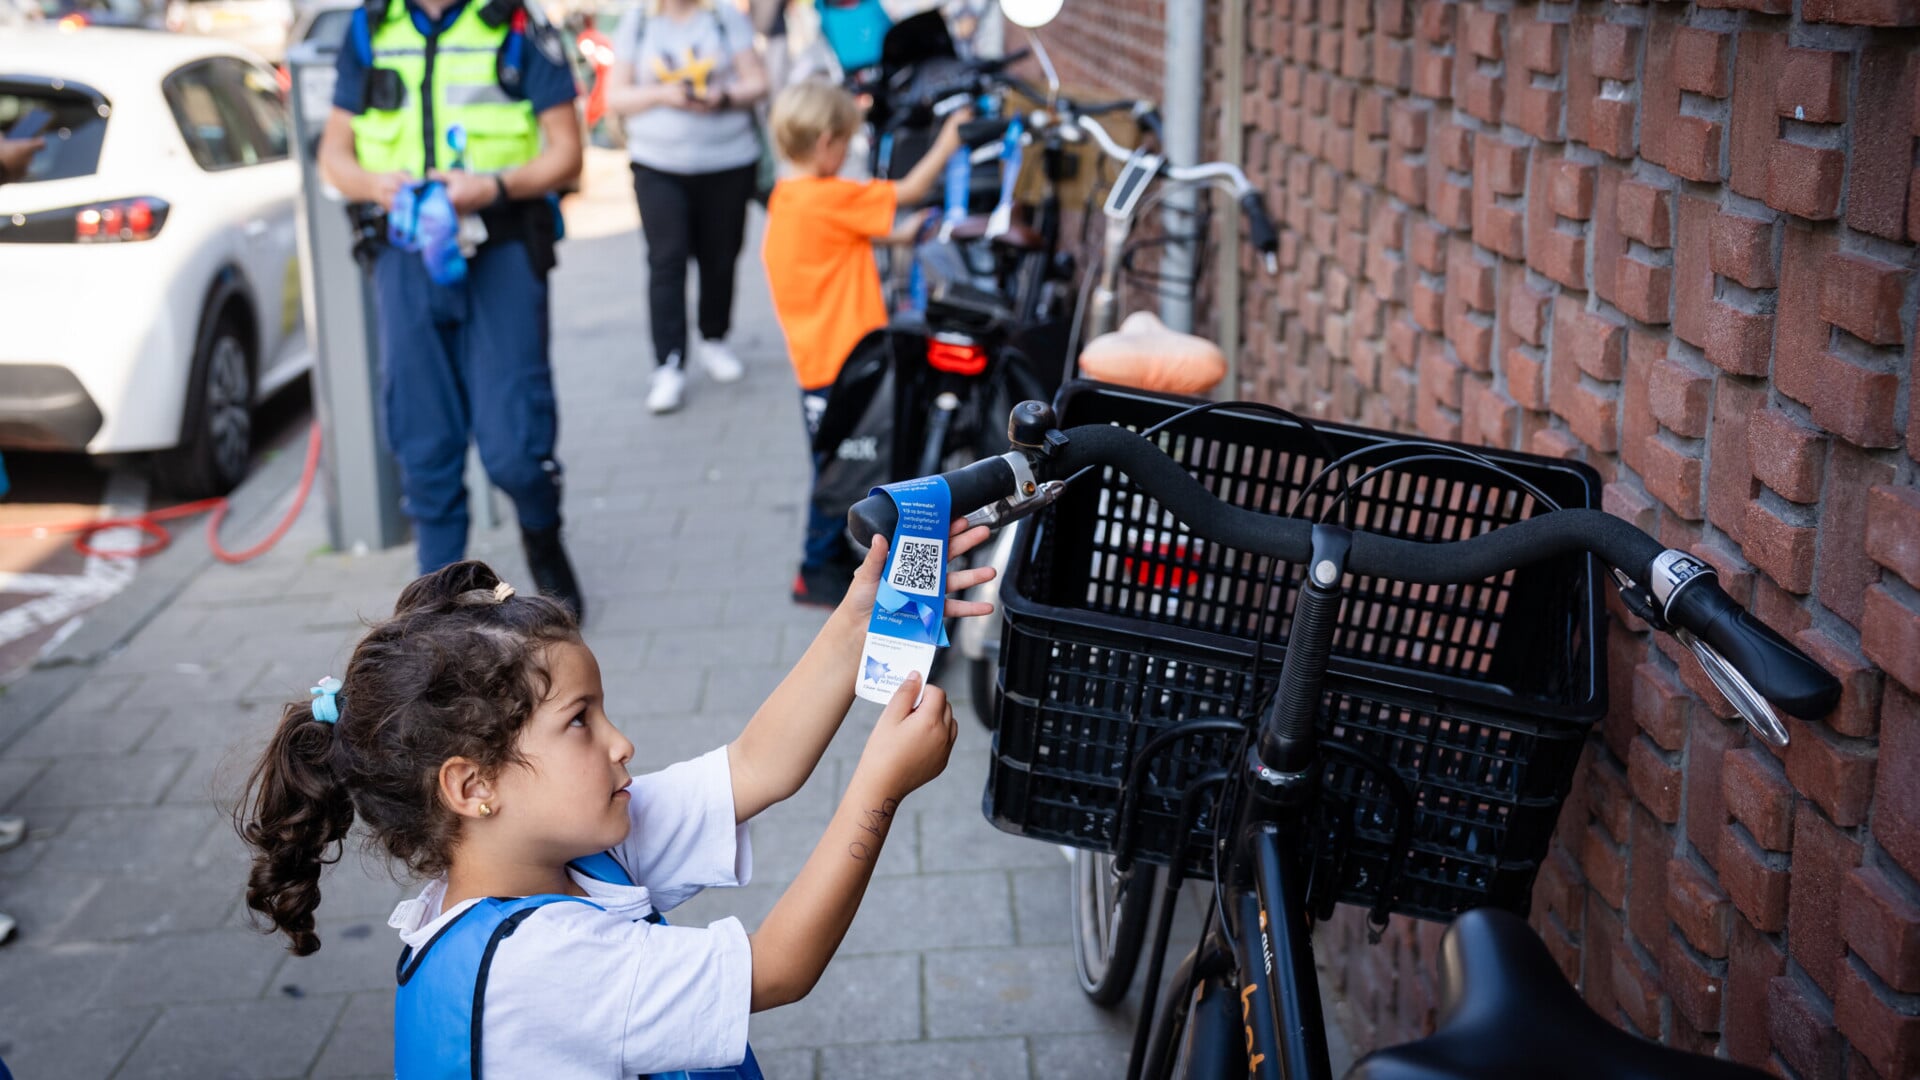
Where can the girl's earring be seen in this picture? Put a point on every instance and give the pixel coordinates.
(485, 810)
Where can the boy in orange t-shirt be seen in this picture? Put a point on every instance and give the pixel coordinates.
(818, 251)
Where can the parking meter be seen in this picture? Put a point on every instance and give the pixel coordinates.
(362, 484)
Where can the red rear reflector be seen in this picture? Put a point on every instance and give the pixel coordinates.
(1154, 572)
(956, 356)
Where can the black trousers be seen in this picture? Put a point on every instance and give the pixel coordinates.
(698, 216)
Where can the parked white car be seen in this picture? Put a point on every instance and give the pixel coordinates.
(149, 279)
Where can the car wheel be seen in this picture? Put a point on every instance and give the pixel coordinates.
(216, 440)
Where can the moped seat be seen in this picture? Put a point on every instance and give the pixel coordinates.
(1507, 1013)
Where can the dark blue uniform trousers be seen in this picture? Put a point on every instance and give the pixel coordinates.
(464, 362)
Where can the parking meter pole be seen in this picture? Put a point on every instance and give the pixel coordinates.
(362, 484)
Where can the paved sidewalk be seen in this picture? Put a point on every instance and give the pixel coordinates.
(133, 958)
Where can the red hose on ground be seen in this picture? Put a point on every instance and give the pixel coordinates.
(149, 523)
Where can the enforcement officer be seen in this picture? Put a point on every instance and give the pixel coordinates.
(469, 360)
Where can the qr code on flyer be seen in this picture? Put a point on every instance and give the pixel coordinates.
(916, 566)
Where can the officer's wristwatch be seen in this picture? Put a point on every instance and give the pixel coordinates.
(500, 198)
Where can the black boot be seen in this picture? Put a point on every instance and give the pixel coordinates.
(552, 572)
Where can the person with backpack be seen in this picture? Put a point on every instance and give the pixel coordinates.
(472, 740)
(463, 109)
(686, 78)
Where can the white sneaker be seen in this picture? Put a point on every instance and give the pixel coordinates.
(719, 361)
(669, 388)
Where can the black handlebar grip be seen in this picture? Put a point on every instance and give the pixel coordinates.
(1148, 118)
(1260, 228)
(1777, 669)
(978, 133)
(971, 488)
(1309, 643)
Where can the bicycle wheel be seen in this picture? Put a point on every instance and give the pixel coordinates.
(1109, 923)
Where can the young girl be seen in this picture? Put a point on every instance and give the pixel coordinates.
(470, 736)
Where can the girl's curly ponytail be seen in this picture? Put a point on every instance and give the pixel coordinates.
(295, 817)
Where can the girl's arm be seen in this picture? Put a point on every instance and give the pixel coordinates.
(783, 742)
(749, 82)
(909, 747)
(626, 97)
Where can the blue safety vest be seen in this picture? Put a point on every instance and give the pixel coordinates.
(440, 1004)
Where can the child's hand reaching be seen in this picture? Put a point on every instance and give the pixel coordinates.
(866, 581)
(949, 139)
(910, 744)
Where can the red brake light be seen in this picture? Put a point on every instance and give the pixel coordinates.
(956, 355)
(115, 222)
(73, 21)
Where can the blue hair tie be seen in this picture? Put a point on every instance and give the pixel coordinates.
(326, 701)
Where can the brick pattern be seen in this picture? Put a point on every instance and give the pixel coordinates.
(1678, 242)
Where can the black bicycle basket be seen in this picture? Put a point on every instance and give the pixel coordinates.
(1121, 625)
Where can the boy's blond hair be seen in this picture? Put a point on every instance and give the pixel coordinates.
(808, 110)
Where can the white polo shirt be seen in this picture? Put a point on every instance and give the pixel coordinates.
(602, 994)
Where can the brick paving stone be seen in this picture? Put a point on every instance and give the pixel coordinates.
(1079, 1057)
(1041, 905)
(362, 1043)
(80, 1046)
(255, 1039)
(933, 911)
(132, 907)
(15, 776)
(1014, 991)
(102, 781)
(958, 1059)
(860, 999)
(354, 956)
(957, 839)
(204, 966)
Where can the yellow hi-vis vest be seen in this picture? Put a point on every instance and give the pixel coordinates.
(447, 80)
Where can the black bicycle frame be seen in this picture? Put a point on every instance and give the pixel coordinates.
(1280, 1021)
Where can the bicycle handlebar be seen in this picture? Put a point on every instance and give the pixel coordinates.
(1694, 604)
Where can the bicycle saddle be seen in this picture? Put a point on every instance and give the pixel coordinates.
(1507, 1013)
(1146, 355)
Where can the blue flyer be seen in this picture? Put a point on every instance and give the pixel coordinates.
(909, 614)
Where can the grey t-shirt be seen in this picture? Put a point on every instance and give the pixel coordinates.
(695, 51)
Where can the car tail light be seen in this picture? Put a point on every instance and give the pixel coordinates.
(72, 21)
(956, 355)
(116, 222)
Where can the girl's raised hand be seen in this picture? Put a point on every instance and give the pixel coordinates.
(960, 540)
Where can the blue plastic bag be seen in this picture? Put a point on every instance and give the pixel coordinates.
(423, 221)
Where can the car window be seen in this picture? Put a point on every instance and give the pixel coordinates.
(265, 106)
(76, 125)
(211, 121)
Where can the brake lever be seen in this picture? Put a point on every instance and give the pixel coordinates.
(1753, 708)
(1014, 507)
